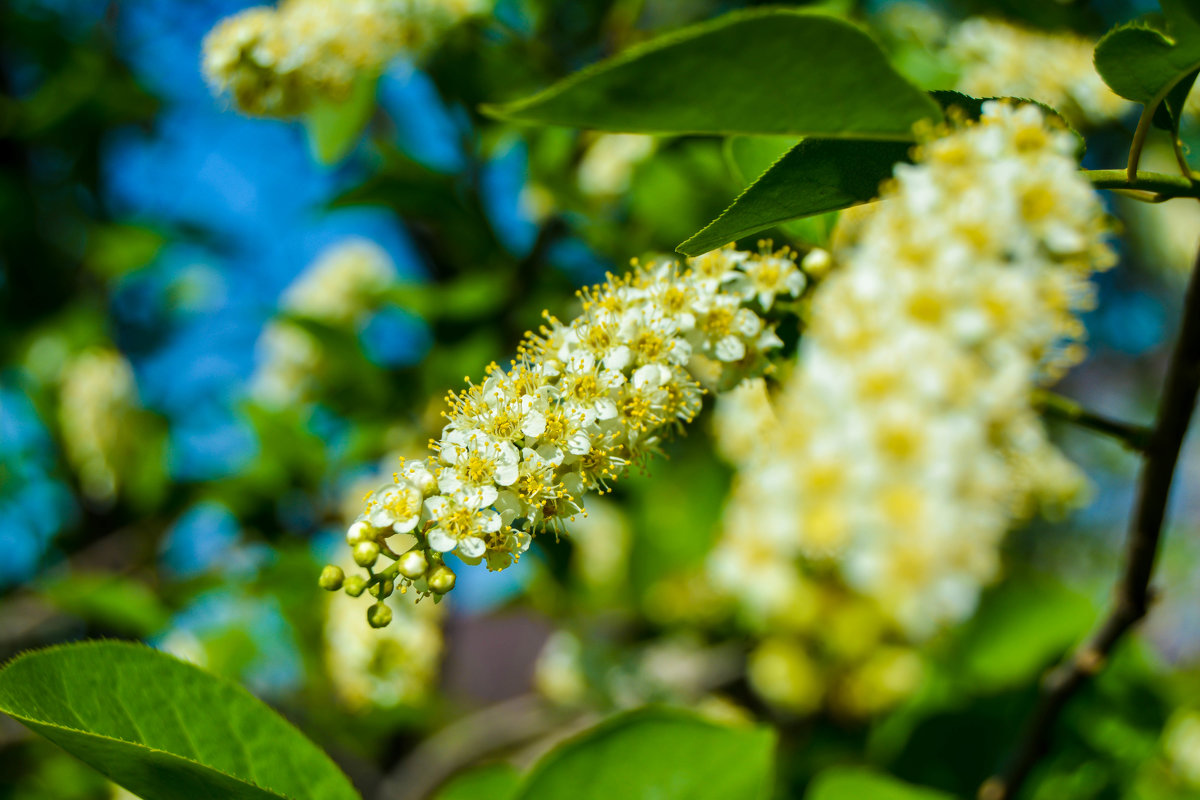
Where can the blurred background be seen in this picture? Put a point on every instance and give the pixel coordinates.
(216, 336)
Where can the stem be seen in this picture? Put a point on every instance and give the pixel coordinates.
(1135, 437)
(1166, 186)
(1180, 158)
(1139, 140)
(1132, 593)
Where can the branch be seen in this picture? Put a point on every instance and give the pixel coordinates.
(1135, 437)
(1132, 594)
(1161, 184)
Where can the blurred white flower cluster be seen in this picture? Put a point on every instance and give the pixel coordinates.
(583, 401)
(607, 166)
(278, 62)
(997, 59)
(905, 443)
(98, 408)
(370, 668)
(343, 285)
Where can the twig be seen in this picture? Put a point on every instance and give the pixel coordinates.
(1139, 140)
(1158, 183)
(1135, 437)
(1132, 594)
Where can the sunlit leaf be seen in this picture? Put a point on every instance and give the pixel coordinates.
(657, 754)
(847, 783)
(494, 782)
(334, 127)
(164, 729)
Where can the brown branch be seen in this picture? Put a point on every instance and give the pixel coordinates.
(1132, 593)
(1055, 406)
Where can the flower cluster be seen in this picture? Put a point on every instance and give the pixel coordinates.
(997, 59)
(582, 402)
(383, 670)
(344, 282)
(98, 407)
(343, 285)
(906, 443)
(607, 166)
(278, 62)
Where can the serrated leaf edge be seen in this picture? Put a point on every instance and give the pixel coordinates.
(96, 643)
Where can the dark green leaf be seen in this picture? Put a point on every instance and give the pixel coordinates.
(751, 156)
(848, 783)
(773, 71)
(164, 729)
(1143, 60)
(815, 176)
(656, 754)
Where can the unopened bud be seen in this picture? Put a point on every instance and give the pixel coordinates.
(366, 554)
(379, 616)
(413, 564)
(441, 580)
(331, 578)
(360, 531)
(383, 588)
(355, 585)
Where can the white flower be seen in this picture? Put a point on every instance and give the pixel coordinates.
(460, 524)
(396, 506)
(477, 461)
(904, 443)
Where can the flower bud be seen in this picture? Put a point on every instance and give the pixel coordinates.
(366, 554)
(441, 580)
(360, 531)
(331, 578)
(379, 616)
(354, 585)
(383, 589)
(413, 564)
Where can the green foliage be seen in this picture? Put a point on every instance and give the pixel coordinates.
(1144, 60)
(333, 128)
(120, 604)
(815, 176)
(495, 782)
(162, 728)
(1020, 628)
(657, 754)
(846, 783)
(776, 71)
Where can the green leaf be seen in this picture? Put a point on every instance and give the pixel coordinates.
(1143, 60)
(334, 127)
(121, 604)
(1020, 628)
(493, 782)
(815, 176)
(751, 156)
(656, 754)
(849, 783)
(769, 71)
(164, 729)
